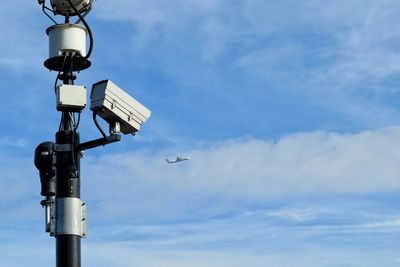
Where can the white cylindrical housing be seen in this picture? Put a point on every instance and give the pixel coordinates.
(66, 38)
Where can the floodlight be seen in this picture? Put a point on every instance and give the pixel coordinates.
(115, 106)
(63, 7)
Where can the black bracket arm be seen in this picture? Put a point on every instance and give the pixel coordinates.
(99, 142)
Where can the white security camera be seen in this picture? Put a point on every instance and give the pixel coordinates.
(115, 106)
(63, 7)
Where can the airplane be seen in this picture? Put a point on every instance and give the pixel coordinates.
(178, 159)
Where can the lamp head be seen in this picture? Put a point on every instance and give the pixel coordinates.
(64, 8)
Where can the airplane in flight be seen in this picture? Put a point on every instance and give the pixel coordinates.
(178, 159)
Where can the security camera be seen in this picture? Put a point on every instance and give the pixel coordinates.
(44, 162)
(63, 7)
(115, 106)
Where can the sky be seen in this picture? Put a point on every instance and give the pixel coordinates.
(288, 109)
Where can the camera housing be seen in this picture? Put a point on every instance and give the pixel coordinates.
(115, 106)
(44, 162)
(63, 7)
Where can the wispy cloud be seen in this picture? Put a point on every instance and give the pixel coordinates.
(340, 55)
(296, 191)
(304, 162)
(12, 142)
(229, 198)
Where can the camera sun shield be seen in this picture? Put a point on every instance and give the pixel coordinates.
(114, 105)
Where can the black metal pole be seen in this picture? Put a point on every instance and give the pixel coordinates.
(68, 243)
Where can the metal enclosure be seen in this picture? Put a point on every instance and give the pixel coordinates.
(71, 97)
(64, 38)
(114, 105)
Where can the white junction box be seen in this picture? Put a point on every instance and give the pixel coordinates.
(114, 105)
(71, 97)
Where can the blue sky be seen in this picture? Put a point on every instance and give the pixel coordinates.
(289, 110)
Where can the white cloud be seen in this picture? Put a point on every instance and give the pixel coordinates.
(12, 142)
(224, 243)
(298, 163)
(223, 176)
(132, 252)
(297, 215)
(125, 254)
(137, 188)
(342, 54)
(391, 224)
(227, 173)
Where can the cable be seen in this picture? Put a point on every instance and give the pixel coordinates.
(59, 73)
(78, 121)
(98, 125)
(84, 14)
(74, 129)
(44, 7)
(55, 83)
(61, 123)
(87, 28)
(71, 67)
(75, 173)
(71, 124)
(71, 119)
